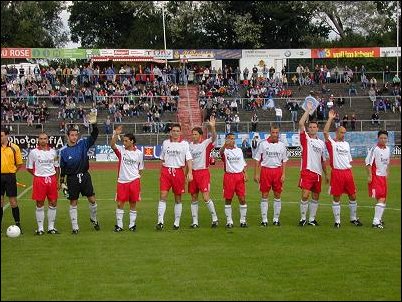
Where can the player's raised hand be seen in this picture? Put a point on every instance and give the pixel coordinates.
(118, 130)
(212, 121)
(331, 114)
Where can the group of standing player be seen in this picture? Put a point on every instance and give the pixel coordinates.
(50, 171)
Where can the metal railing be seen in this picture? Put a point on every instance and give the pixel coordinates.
(157, 128)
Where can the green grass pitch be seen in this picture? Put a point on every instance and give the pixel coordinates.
(274, 263)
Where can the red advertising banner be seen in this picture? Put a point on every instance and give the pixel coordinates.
(16, 53)
(333, 53)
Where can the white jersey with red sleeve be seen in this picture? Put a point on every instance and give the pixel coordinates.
(175, 154)
(339, 154)
(233, 160)
(379, 159)
(130, 164)
(200, 153)
(313, 153)
(271, 154)
(43, 161)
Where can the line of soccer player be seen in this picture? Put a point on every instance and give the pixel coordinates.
(181, 160)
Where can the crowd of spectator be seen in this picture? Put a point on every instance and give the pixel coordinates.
(75, 90)
(148, 91)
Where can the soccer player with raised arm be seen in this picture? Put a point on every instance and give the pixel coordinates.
(234, 179)
(43, 164)
(341, 173)
(313, 165)
(377, 164)
(74, 163)
(175, 155)
(131, 164)
(200, 151)
(271, 155)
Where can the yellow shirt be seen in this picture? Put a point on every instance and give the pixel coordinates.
(8, 164)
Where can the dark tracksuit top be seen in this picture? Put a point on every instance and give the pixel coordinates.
(74, 159)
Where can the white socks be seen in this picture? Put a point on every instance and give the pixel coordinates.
(353, 209)
(211, 208)
(313, 209)
(74, 217)
(243, 213)
(264, 210)
(277, 209)
(51, 217)
(303, 209)
(177, 213)
(161, 211)
(228, 213)
(40, 216)
(133, 218)
(336, 209)
(378, 211)
(119, 217)
(194, 211)
(92, 211)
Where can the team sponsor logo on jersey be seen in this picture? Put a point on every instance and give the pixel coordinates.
(272, 154)
(196, 154)
(173, 152)
(342, 151)
(129, 161)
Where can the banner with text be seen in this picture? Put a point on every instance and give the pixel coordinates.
(333, 53)
(106, 153)
(359, 142)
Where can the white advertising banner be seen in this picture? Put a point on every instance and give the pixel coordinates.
(156, 54)
(390, 52)
(276, 53)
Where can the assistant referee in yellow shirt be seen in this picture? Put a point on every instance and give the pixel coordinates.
(11, 161)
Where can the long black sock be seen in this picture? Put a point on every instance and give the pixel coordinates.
(16, 214)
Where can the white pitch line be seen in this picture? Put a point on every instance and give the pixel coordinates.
(18, 197)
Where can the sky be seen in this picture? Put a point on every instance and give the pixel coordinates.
(64, 17)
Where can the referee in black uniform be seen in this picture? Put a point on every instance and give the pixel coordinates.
(11, 161)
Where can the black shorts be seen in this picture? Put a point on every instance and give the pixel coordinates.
(9, 184)
(79, 183)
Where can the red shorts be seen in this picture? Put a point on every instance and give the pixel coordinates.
(310, 181)
(342, 182)
(271, 177)
(172, 178)
(130, 191)
(378, 187)
(45, 187)
(233, 182)
(201, 181)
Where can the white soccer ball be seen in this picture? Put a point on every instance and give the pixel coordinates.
(13, 231)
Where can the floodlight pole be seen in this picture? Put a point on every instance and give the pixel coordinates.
(397, 38)
(164, 32)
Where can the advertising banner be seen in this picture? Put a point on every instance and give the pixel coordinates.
(333, 53)
(225, 54)
(390, 52)
(193, 54)
(136, 53)
(277, 53)
(29, 142)
(106, 153)
(360, 142)
(16, 53)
